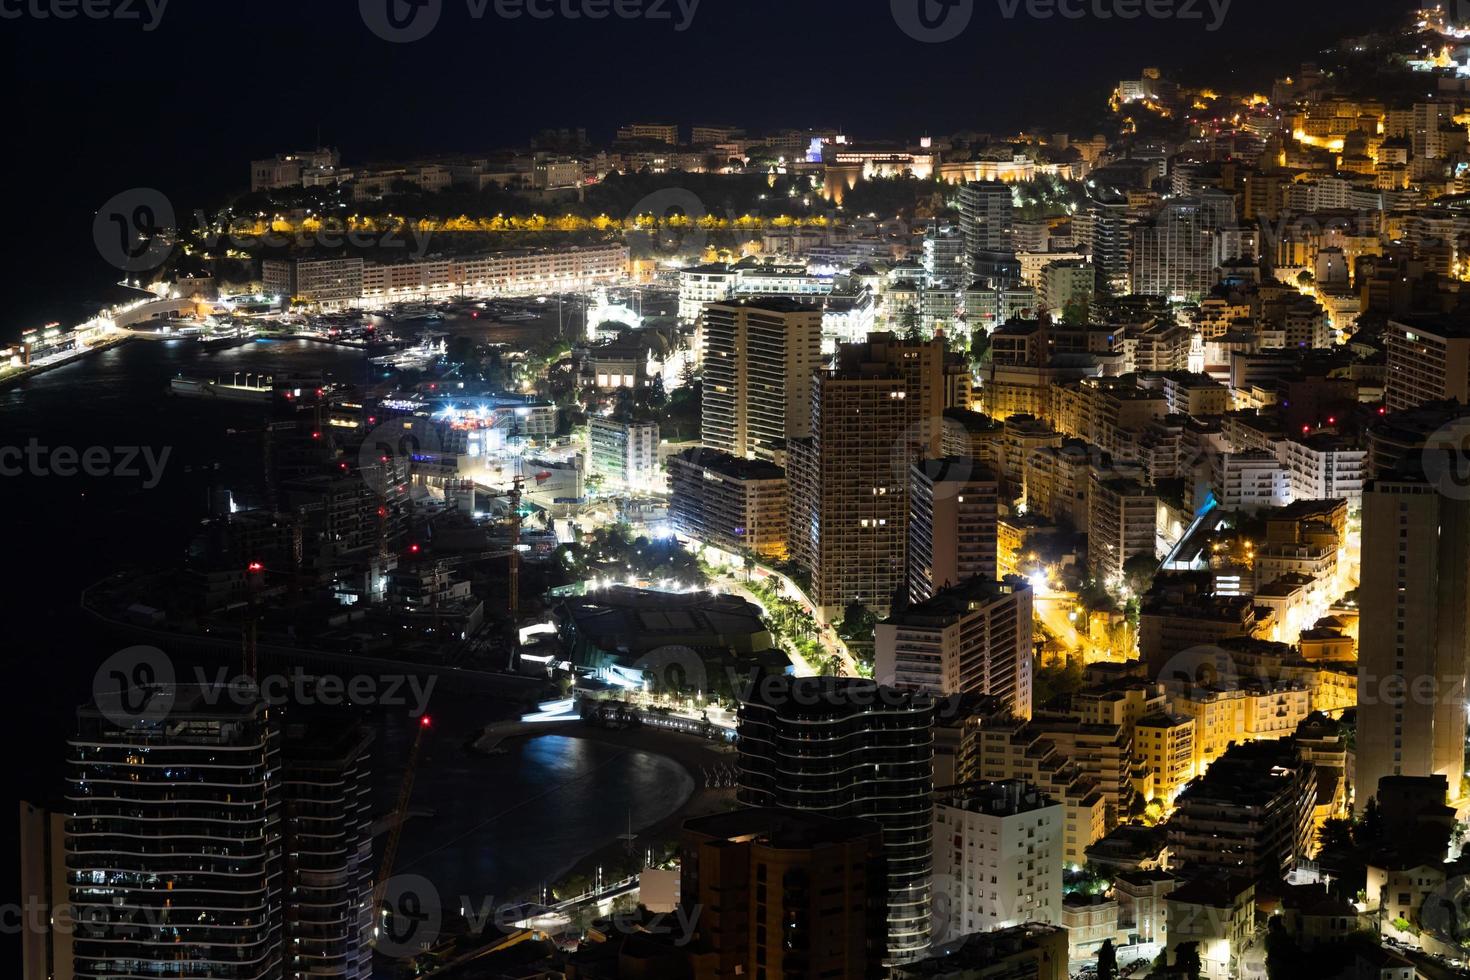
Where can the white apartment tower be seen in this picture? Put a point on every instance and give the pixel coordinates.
(759, 356)
(998, 856)
(973, 639)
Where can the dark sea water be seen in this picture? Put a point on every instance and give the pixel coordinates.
(497, 826)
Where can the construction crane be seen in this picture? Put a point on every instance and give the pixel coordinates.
(399, 817)
(249, 655)
(513, 601)
(513, 498)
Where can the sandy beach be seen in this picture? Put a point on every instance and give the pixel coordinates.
(688, 751)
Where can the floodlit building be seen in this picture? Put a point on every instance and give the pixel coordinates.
(759, 356)
(1218, 912)
(739, 505)
(1164, 743)
(972, 639)
(953, 509)
(997, 858)
(624, 454)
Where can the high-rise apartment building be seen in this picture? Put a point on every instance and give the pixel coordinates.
(998, 855)
(1164, 743)
(998, 746)
(847, 747)
(878, 411)
(986, 215)
(328, 848)
(174, 845)
(1414, 638)
(1107, 227)
(1428, 361)
(207, 839)
(759, 356)
(784, 893)
(1251, 812)
(732, 503)
(972, 639)
(1122, 524)
(1069, 283)
(953, 510)
(1178, 254)
(625, 454)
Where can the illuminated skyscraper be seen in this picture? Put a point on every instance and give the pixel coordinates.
(758, 362)
(174, 845)
(1414, 637)
(875, 414)
(846, 747)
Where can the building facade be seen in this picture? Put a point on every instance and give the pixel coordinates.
(975, 638)
(847, 747)
(759, 356)
(997, 858)
(953, 510)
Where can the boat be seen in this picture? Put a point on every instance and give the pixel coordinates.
(216, 390)
(224, 342)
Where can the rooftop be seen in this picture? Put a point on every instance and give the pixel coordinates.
(951, 604)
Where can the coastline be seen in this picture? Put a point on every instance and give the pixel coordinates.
(688, 752)
(35, 370)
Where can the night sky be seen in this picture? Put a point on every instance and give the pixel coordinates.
(95, 107)
(100, 106)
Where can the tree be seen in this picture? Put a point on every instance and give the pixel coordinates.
(1074, 313)
(979, 347)
(1107, 961)
(657, 397)
(1187, 962)
(1370, 829)
(1139, 571)
(908, 319)
(857, 623)
(1336, 835)
(1283, 956)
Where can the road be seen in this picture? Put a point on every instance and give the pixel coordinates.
(1053, 610)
